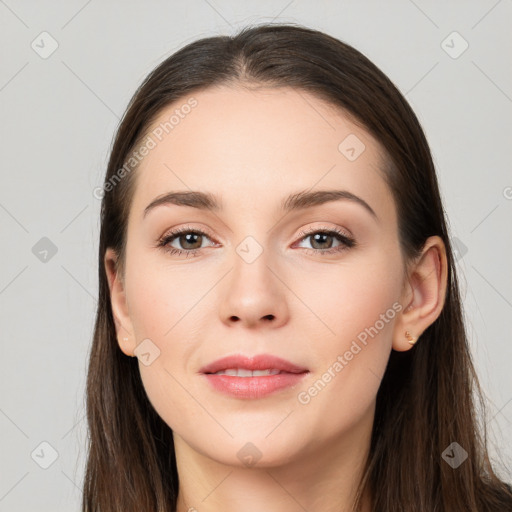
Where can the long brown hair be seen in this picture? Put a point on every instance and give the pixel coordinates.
(429, 397)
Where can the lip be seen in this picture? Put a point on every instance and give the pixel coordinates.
(253, 387)
(258, 362)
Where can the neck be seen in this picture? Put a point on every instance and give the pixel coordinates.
(321, 478)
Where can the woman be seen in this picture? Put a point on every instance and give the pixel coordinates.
(273, 251)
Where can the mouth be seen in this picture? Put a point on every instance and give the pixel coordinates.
(241, 364)
(244, 372)
(252, 377)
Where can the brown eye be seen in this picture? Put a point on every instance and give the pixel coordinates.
(190, 240)
(323, 241)
(187, 241)
(320, 240)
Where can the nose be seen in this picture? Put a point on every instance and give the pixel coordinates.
(254, 294)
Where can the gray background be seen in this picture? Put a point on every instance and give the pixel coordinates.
(58, 116)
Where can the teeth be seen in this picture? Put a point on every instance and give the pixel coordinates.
(242, 372)
(259, 373)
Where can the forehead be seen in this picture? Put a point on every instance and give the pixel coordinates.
(252, 147)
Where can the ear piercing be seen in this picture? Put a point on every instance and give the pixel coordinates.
(410, 338)
(131, 355)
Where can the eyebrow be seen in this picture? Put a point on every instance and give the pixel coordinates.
(297, 201)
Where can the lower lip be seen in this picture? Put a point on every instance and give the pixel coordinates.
(253, 387)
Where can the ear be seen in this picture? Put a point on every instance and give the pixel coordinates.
(124, 328)
(424, 293)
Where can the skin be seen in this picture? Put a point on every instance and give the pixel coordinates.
(253, 148)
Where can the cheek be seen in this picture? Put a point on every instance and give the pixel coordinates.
(162, 298)
(167, 307)
(351, 296)
(360, 306)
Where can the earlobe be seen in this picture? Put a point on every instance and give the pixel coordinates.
(424, 295)
(410, 338)
(124, 328)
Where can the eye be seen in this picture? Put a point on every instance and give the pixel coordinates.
(190, 239)
(321, 237)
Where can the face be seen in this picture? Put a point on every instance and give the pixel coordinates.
(318, 285)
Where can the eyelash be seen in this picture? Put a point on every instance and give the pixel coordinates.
(347, 241)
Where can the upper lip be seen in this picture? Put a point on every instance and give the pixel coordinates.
(258, 362)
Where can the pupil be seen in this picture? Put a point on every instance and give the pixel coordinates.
(320, 235)
(187, 241)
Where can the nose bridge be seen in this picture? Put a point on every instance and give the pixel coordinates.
(253, 292)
